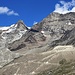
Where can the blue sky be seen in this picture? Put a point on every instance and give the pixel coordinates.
(30, 11)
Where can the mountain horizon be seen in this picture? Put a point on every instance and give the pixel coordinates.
(42, 49)
(28, 11)
(37, 37)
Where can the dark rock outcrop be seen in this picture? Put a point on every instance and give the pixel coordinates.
(67, 39)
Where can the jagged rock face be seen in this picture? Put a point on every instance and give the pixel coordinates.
(0, 31)
(9, 35)
(39, 37)
(56, 20)
(31, 37)
(51, 28)
(67, 39)
(14, 32)
(21, 26)
(56, 24)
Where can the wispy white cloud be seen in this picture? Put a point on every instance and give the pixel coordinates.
(65, 7)
(6, 10)
(35, 22)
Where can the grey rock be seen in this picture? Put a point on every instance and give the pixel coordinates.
(56, 25)
(35, 45)
(67, 39)
(6, 56)
(31, 37)
(15, 32)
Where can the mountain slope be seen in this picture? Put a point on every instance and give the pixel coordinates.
(55, 25)
(30, 39)
(67, 39)
(43, 48)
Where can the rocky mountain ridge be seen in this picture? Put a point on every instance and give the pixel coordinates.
(41, 47)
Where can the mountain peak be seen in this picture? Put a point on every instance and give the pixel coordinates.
(20, 25)
(20, 21)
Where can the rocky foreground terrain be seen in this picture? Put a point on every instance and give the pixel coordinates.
(47, 48)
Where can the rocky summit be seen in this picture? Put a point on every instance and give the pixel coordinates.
(47, 48)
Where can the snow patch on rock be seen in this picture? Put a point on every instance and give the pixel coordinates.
(69, 23)
(4, 28)
(42, 32)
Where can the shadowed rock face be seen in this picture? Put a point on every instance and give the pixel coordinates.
(11, 34)
(14, 32)
(67, 39)
(0, 31)
(17, 48)
(54, 21)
